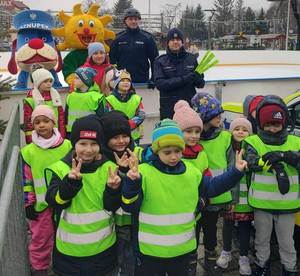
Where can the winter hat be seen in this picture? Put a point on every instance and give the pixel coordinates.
(206, 106)
(86, 75)
(270, 114)
(87, 128)
(174, 33)
(185, 116)
(256, 100)
(43, 110)
(167, 133)
(120, 75)
(95, 47)
(241, 122)
(114, 123)
(40, 75)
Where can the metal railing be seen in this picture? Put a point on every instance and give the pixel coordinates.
(13, 232)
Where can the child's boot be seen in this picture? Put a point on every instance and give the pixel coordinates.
(244, 265)
(210, 265)
(262, 270)
(224, 259)
(293, 272)
(193, 264)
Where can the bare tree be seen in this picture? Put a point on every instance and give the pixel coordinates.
(171, 14)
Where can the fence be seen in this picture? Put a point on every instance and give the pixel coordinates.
(13, 238)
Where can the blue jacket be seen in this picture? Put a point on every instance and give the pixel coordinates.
(132, 50)
(175, 78)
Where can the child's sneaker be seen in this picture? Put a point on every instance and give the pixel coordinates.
(244, 264)
(224, 259)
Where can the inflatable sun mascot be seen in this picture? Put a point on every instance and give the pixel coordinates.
(78, 31)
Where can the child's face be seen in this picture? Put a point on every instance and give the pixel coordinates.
(124, 85)
(78, 83)
(170, 155)
(191, 136)
(98, 57)
(87, 150)
(119, 143)
(273, 127)
(215, 122)
(240, 133)
(46, 85)
(43, 126)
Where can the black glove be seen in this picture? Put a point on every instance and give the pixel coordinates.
(273, 157)
(150, 84)
(31, 213)
(198, 79)
(282, 178)
(291, 157)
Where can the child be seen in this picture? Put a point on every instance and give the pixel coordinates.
(85, 100)
(191, 125)
(164, 194)
(98, 60)
(216, 142)
(83, 188)
(124, 98)
(249, 109)
(42, 93)
(117, 140)
(46, 148)
(274, 164)
(240, 211)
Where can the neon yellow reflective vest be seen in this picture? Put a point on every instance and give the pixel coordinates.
(201, 162)
(217, 161)
(264, 192)
(30, 101)
(129, 108)
(85, 228)
(38, 159)
(167, 213)
(123, 218)
(81, 104)
(242, 206)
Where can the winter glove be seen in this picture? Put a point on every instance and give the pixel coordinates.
(198, 79)
(150, 84)
(31, 213)
(282, 178)
(292, 158)
(273, 157)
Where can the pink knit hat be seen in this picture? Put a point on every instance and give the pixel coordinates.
(185, 116)
(241, 122)
(43, 110)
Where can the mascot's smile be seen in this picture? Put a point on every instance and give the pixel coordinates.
(85, 39)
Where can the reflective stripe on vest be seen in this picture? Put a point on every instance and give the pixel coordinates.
(217, 161)
(166, 218)
(242, 206)
(264, 191)
(85, 228)
(38, 159)
(129, 108)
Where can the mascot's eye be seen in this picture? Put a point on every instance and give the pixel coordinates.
(44, 39)
(91, 23)
(26, 39)
(80, 23)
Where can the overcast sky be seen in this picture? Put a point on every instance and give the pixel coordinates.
(142, 5)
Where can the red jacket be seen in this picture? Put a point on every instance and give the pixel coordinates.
(27, 109)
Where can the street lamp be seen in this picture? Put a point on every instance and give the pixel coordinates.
(209, 27)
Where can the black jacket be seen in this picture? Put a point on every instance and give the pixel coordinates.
(175, 78)
(132, 50)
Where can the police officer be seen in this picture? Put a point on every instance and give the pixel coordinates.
(174, 74)
(134, 48)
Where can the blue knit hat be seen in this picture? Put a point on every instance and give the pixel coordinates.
(167, 133)
(95, 47)
(87, 75)
(206, 106)
(174, 33)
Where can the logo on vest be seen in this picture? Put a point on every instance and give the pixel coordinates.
(277, 116)
(88, 134)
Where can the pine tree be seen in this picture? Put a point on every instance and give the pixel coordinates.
(262, 26)
(239, 14)
(250, 17)
(224, 16)
(118, 10)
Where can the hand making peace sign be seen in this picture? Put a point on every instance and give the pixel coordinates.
(75, 170)
(133, 172)
(240, 164)
(114, 180)
(123, 161)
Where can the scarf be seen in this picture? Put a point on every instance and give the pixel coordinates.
(43, 143)
(38, 98)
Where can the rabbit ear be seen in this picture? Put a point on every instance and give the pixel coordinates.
(12, 65)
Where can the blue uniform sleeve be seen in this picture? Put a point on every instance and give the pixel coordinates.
(152, 54)
(132, 195)
(113, 52)
(214, 186)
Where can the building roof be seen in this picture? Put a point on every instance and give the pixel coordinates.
(20, 5)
